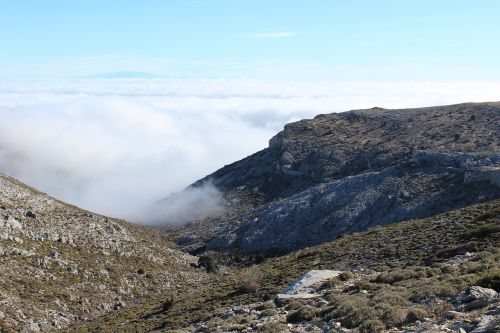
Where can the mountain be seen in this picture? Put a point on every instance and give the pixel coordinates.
(61, 264)
(308, 240)
(346, 172)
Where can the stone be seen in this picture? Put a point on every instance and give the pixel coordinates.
(30, 214)
(487, 324)
(302, 287)
(477, 292)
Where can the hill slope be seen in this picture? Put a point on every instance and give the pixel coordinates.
(345, 172)
(60, 264)
(398, 275)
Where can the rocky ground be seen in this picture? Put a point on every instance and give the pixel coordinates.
(439, 274)
(61, 265)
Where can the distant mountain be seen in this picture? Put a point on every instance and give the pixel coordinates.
(126, 75)
(345, 172)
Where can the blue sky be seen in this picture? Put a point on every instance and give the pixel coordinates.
(272, 39)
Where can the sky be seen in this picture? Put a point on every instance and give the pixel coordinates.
(258, 39)
(113, 105)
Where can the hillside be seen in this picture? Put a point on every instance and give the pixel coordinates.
(60, 264)
(346, 172)
(395, 277)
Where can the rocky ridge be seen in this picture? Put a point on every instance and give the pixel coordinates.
(346, 172)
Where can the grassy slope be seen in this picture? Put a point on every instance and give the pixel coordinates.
(388, 248)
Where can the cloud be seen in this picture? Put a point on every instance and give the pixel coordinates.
(179, 208)
(271, 35)
(116, 146)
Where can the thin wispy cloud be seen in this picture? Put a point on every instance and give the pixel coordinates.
(271, 35)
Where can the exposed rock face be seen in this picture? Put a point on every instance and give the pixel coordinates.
(346, 172)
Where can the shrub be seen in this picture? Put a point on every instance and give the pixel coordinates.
(268, 313)
(439, 308)
(397, 276)
(250, 280)
(390, 297)
(459, 249)
(273, 327)
(305, 313)
(491, 280)
(392, 316)
(372, 326)
(345, 276)
(168, 303)
(416, 313)
(209, 263)
(350, 310)
(293, 305)
(265, 306)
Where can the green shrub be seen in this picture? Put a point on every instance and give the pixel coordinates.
(305, 313)
(268, 313)
(265, 306)
(350, 310)
(392, 316)
(372, 326)
(416, 313)
(249, 282)
(209, 263)
(389, 297)
(294, 305)
(345, 276)
(491, 280)
(273, 327)
(399, 275)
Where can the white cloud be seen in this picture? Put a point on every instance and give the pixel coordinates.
(115, 146)
(271, 35)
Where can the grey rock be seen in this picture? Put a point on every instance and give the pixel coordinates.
(30, 214)
(487, 324)
(477, 292)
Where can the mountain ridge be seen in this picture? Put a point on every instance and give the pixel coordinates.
(459, 141)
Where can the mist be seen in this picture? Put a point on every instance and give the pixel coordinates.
(191, 204)
(120, 146)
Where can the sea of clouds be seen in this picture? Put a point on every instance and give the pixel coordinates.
(116, 146)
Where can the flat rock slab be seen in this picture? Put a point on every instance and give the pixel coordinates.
(301, 287)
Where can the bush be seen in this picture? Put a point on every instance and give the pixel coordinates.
(168, 303)
(399, 275)
(389, 297)
(250, 280)
(265, 306)
(305, 313)
(268, 313)
(372, 326)
(458, 249)
(293, 305)
(392, 316)
(273, 327)
(439, 308)
(491, 280)
(350, 310)
(345, 276)
(416, 313)
(209, 263)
